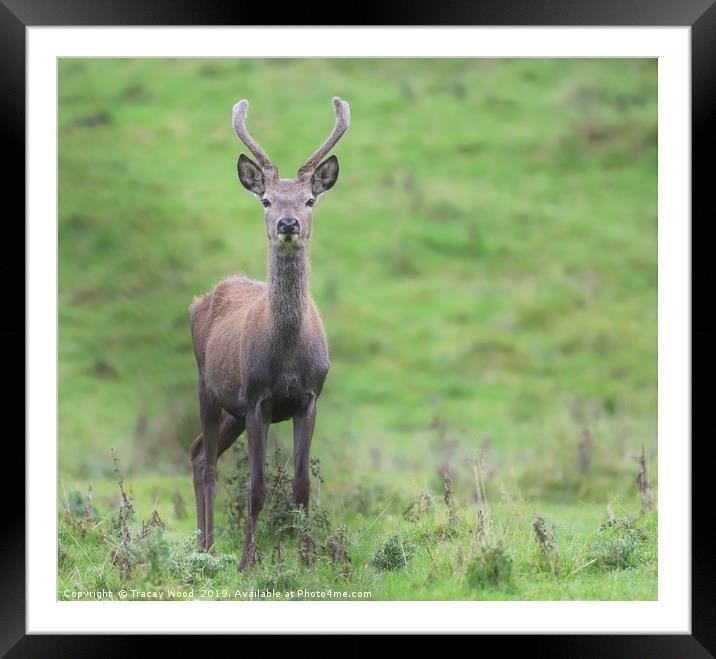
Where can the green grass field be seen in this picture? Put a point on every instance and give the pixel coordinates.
(486, 268)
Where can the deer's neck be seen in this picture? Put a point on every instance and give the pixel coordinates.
(288, 288)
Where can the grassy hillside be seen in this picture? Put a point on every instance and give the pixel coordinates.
(485, 267)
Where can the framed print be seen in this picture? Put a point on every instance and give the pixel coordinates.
(404, 347)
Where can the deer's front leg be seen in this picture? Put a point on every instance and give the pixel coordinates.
(257, 424)
(302, 434)
(303, 424)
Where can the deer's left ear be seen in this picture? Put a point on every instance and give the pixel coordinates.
(325, 176)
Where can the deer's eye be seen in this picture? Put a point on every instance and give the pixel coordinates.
(266, 203)
(310, 202)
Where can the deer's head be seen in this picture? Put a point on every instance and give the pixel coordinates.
(288, 203)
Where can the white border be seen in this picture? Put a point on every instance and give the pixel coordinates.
(670, 614)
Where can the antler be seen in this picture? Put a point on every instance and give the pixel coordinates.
(239, 119)
(343, 117)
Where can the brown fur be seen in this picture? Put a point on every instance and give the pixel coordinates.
(243, 355)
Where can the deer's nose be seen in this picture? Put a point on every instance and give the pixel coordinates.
(288, 225)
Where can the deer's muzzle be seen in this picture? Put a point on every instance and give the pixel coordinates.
(288, 226)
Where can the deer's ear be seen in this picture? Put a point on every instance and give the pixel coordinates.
(250, 175)
(325, 176)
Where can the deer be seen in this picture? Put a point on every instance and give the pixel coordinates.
(261, 348)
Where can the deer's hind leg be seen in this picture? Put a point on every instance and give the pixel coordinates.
(230, 428)
(229, 431)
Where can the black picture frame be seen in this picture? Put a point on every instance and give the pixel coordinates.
(699, 15)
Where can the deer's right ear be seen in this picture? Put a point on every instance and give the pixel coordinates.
(250, 175)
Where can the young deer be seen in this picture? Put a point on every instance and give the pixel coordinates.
(260, 348)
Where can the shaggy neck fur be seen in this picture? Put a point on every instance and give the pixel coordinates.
(288, 288)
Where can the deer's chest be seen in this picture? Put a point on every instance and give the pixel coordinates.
(287, 378)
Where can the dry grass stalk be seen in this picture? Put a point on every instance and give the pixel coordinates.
(449, 494)
(481, 502)
(307, 549)
(647, 503)
(315, 467)
(481, 525)
(125, 509)
(419, 507)
(547, 543)
(154, 521)
(89, 511)
(339, 554)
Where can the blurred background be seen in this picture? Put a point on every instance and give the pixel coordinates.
(486, 265)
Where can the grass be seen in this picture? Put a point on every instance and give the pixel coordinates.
(435, 557)
(486, 271)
